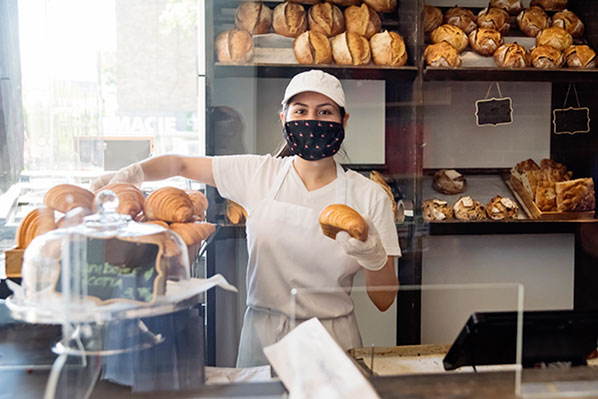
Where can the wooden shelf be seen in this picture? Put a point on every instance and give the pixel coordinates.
(506, 75)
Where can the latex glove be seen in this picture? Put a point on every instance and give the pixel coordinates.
(132, 174)
(369, 253)
(101, 181)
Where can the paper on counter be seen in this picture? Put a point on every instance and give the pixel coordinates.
(312, 365)
(227, 375)
(179, 290)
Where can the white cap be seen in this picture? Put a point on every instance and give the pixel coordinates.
(317, 81)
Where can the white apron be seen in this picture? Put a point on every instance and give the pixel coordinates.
(288, 250)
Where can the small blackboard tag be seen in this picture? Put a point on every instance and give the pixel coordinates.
(114, 270)
(494, 111)
(571, 120)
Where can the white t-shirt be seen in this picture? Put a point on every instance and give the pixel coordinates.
(246, 179)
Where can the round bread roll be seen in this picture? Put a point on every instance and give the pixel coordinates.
(569, 21)
(511, 55)
(327, 19)
(468, 209)
(382, 5)
(234, 46)
(550, 5)
(347, 2)
(502, 208)
(349, 48)
(253, 17)
(362, 20)
(546, 57)
(555, 37)
(312, 48)
(305, 1)
(485, 41)
(461, 17)
(494, 18)
(340, 217)
(442, 55)
(580, 57)
(388, 48)
(513, 7)
(532, 20)
(436, 210)
(451, 34)
(289, 19)
(432, 18)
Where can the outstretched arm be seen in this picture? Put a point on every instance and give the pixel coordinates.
(385, 277)
(165, 166)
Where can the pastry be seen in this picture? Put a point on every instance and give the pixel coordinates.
(254, 17)
(436, 210)
(546, 196)
(378, 178)
(485, 41)
(581, 56)
(557, 171)
(130, 198)
(289, 19)
(339, 217)
(442, 55)
(432, 18)
(546, 57)
(160, 223)
(169, 204)
(449, 181)
(382, 5)
(235, 213)
(349, 48)
(569, 21)
(494, 18)
(65, 197)
(347, 2)
(461, 17)
(521, 172)
(502, 208)
(555, 37)
(513, 7)
(468, 209)
(550, 5)
(511, 55)
(193, 233)
(575, 195)
(451, 34)
(234, 46)
(388, 48)
(305, 1)
(362, 20)
(532, 20)
(200, 204)
(312, 48)
(327, 19)
(36, 222)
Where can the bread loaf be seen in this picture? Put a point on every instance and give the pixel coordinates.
(169, 204)
(36, 222)
(436, 210)
(130, 198)
(382, 5)
(546, 57)
(339, 217)
(550, 5)
(494, 18)
(485, 41)
(327, 19)
(349, 48)
(513, 7)
(581, 56)
(234, 46)
(451, 34)
(555, 37)
(65, 197)
(305, 1)
(569, 21)
(312, 48)
(388, 48)
(289, 19)
(532, 20)
(432, 18)
(461, 17)
(200, 204)
(468, 209)
(254, 17)
(193, 233)
(575, 195)
(449, 181)
(511, 55)
(502, 208)
(442, 55)
(347, 2)
(362, 20)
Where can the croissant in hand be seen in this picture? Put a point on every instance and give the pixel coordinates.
(339, 217)
(65, 197)
(130, 198)
(170, 204)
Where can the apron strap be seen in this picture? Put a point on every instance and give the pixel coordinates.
(279, 179)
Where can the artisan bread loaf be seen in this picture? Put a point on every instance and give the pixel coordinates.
(494, 18)
(362, 20)
(532, 20)
(442, 55)
(349, 48)
(347, 2)
(555, 37)
(449, 181)
(581, 56)
(462, 17)
(436, 210)
(550, 5)
(340, 217)
(501, 208)
(511, 55)
(546, 57)
(289, 19)
(234, 46)
(575, 195)
(382, 5)
(451, 34)
(327, 19)
(312, 48)
(254, 17)
(468, 209)
(432, 18)
(513, 7)
(569, 21)
(388, 48)
(485, 41)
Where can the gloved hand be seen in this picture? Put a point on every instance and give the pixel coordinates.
(132, 174)
(369, 254)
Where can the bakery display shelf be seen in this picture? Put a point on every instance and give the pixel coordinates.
(368, 72)
(498, 227)
(505, 75)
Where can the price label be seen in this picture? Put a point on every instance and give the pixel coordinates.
(494, 111)
(571, 120)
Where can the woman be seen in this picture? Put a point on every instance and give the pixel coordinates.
(284, 197)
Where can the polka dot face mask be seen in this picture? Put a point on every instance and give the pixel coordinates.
(313, 140)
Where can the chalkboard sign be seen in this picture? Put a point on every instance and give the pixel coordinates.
(494, 111)
(114, 270)
(571, 120)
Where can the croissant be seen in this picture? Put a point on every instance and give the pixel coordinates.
(38, 221)
(193, 233)
(169, 204)
(65, 197)
(235, 212)
(378, 178)
(130, 198)
(339, 217)
(158, 223)
(200, 204)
